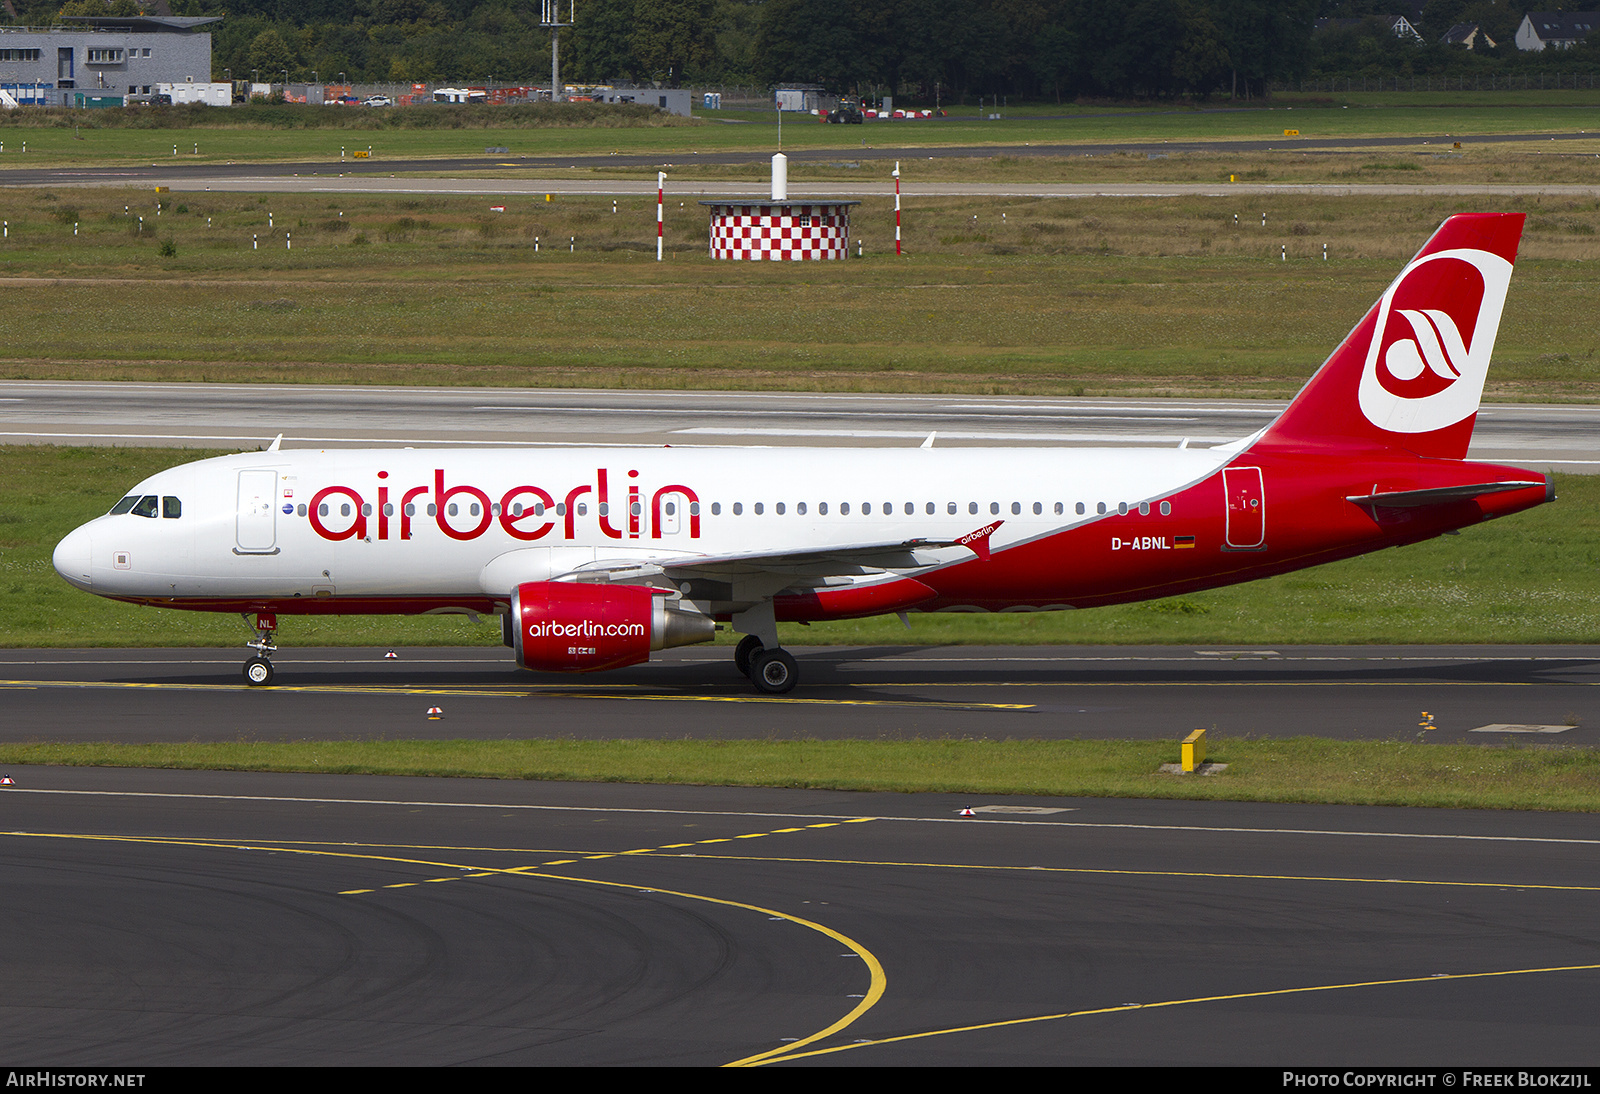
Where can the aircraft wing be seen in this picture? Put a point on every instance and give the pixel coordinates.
(841, 560)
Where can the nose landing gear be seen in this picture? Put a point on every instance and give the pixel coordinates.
(258, 669)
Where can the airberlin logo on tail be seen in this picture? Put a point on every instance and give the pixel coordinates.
(1431, 346)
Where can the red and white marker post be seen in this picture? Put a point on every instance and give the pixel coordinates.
(896, 206)
(661, 193)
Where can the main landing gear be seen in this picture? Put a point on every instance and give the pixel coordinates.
(773, 671)
(258, 669)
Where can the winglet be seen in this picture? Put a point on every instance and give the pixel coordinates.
(978, 542)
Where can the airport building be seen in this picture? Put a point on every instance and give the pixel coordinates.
(104, 57)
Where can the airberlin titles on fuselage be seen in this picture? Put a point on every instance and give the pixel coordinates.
(466, 512)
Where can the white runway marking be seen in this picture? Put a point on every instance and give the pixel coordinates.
(812, 816)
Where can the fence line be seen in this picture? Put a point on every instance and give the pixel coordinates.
(1526, 81)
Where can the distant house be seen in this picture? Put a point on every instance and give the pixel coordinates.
(1469, 35)
(1398, 25)
(1555, 29)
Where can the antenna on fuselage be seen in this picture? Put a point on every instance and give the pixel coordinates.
(929, 442)
(276, 441)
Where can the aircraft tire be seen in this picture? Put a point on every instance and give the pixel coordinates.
(258, 672)
(747, 648)
(774, 672)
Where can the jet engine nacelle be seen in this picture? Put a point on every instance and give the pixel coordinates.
(566, 627)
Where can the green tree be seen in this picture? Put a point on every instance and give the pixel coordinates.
(269, 53)
(674, 40)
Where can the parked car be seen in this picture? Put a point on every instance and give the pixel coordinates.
(378, 100)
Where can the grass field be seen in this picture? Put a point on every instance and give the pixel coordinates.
(1533, 577)
(316, 134)
(1015, 295)
(1299, 769)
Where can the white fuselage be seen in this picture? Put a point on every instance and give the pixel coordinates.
(432, 523)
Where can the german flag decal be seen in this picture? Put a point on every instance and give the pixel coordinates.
(1180, 542)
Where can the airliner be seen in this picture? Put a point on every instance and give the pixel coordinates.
(595, 558)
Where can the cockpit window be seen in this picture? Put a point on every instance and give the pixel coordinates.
(171, 508)
(124, 505)
(147, 506)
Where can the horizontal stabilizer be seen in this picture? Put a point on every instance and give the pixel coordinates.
(1417, 499)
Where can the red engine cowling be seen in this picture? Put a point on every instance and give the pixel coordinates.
(566, 627)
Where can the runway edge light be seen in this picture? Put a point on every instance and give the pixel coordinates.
(435, 713)
(7, 780)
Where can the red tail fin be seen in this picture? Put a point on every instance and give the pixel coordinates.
(1411, 373)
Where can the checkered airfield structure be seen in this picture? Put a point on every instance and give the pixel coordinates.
(753, 229)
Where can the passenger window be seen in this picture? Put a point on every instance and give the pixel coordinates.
(844, 508)
(301, 509)
(972, 508)
(1060, 508)
(994, 508)
(930, 508)
(146, 506)
(1016, 508)
(716, 508)
(800, 508)
(1122, 508)
(738, 508)
(171, 508)
(1080, 509)
(951, 508)
(1166, 508)
(1144, 509)
(1100, 508)
(1037, 509)
(124, 505)
(758, 508)
(778, 509)
(822, 508)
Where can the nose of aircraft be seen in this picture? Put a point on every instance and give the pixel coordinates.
(72, 558)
